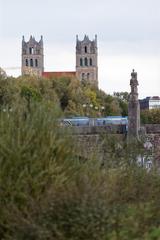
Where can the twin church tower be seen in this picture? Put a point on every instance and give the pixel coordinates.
(86, 60)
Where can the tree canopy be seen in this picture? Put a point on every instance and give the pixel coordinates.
(73, 97)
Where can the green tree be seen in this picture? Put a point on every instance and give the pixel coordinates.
(122, 98)
(150, 116)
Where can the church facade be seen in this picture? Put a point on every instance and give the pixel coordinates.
(86, 60)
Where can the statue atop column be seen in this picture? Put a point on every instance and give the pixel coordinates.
(133, 109)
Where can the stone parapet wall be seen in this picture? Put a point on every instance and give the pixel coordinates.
(95, 145)
(155, 140)
(84, 130)
(89, 130)
(90, 140)
(89, 146)
(152, 128)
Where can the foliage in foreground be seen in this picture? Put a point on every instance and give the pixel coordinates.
(47, 192)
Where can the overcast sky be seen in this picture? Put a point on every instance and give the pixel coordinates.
(128, 37)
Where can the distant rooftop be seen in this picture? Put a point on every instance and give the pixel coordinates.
(58, 74)
(152, 98)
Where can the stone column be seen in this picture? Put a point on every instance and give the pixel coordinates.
(133, 109)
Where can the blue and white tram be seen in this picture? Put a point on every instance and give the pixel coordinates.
(76, 121)
(119, 121)
(113, 120)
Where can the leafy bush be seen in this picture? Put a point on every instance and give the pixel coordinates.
(48, 192)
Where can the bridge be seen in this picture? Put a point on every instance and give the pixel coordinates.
(112, 129)
(91, 139)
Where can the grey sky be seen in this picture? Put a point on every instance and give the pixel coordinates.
(128, 37)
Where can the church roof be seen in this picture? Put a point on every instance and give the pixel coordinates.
(58, 74)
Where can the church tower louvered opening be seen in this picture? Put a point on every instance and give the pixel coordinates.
(87, 60)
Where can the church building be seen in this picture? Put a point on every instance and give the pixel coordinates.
(86, 60)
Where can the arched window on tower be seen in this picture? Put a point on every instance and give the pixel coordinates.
(88, 75)
(85, 49)
(31, 62)
(31, 50)
(36, 62)
(81, 62)
(86, 62)
(90, 61)
(26, 62)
